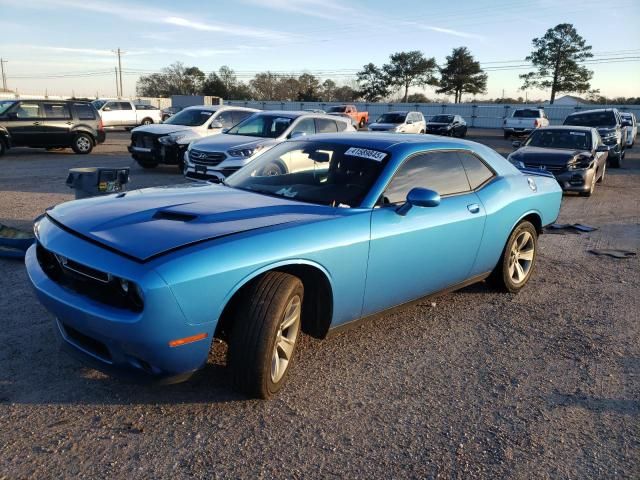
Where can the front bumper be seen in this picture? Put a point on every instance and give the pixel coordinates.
(208, 172)
(438, 131)
(518, 131)
(576, 180)
(169, 154)
(117, 341)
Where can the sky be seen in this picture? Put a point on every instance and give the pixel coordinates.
(64, 47)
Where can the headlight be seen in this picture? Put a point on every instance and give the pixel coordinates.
(36, 226)
(245, 152)
(132, 292)
(579, 163)
(167, 140)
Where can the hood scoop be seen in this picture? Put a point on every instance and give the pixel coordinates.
(174, 216)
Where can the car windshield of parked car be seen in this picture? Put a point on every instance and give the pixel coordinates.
(315, 172)
(5, 105)
(392, 118)
(442, 119)
(266, 126)
(526, 114)
(98, 104)
(190, 118)
(594, 119)
(337, 109)
(571, 139)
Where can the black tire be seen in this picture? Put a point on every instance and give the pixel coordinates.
(362, 123)
(602, 173)
(147, 121)
(501, 276)
(256, 329)
(614, 162)
(506, 135)
(82, 143)
(3, 147)
(147, 164)
(422, 131)
(464, 133)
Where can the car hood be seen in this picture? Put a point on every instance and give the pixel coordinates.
(437, 124)
(144, 224)
(387, 126)
(162, 129)
(546, 156)
(223, 142)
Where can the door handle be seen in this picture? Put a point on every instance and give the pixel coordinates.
(473, 208)
(36, 123)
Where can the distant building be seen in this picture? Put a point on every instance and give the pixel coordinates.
(569, 100)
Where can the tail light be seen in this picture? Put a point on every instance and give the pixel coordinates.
(536, 123)
(100, 124)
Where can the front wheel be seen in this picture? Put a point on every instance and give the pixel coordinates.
(518, 259)
(82, 144)
(265, 333)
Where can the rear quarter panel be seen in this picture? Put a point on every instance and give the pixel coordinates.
(507, 200)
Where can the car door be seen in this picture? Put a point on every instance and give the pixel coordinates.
(26, 123)
(428, 249)
(128, 115)
(57, 123)
(111, 114)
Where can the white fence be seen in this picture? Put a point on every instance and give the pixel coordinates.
(477, 115)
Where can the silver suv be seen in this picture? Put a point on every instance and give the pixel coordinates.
(221, 155)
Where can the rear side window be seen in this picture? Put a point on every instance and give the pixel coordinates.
(125, 106)
(439, 171)
(526, 114)
(342, 126)
(477, 172)
(56, 110)
(305, 125)
(325, 126)
(112, 106)
(84, 111)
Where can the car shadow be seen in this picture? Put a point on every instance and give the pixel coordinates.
(595, 404)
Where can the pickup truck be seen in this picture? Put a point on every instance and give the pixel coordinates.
(359, 118)
(523, 121)
(124, 113)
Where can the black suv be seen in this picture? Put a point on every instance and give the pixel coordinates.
(608, 122)
(50, 124)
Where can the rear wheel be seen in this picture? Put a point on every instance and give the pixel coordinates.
(82, 144)
(265, 334)
(518, 259)
(147, 121)
(362, 123)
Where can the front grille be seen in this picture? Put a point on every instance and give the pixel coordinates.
(549, 168)
(143, 140)
(199, 157)
(94, 284)
(610, 141)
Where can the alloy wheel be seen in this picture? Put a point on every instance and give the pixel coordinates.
(521, 257)
(286, 337)
(83, 144)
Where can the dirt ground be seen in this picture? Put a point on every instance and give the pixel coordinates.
(542, 384)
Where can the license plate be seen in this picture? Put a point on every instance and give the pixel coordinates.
(201, 170)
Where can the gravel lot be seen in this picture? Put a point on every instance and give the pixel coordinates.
(543, 384)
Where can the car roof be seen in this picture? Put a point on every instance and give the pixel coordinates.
(595, 110)
(579, 128)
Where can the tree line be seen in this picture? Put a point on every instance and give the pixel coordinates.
(556, 62)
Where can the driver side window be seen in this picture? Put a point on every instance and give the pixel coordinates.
(439, 171)
(226, 119)
(306, 125)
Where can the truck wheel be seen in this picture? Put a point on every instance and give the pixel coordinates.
(362, 123)
(518, 259)
(82, 144)
(265, 333)
(147, 121)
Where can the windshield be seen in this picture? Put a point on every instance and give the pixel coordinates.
(5, 105)
(265, 126)
(337, 109)
(526, 114)
(570, 139)
(190, 118)
(98, 104)
(392, 118)
(442, 119)
(594, 119)
(314, 172)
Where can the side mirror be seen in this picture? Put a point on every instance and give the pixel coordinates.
(298, 134)
(516, 144)
(602, 148)
(216, 124)
(12, 115)
(419, 197)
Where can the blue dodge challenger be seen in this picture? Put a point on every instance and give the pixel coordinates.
(353, 224)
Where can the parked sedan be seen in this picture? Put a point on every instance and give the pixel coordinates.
(575, 155)
(450, 125)
(215, 158)
(399, 122)
(139, 283)
(631, 124)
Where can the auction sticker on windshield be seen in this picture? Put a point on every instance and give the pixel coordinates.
(366, 153)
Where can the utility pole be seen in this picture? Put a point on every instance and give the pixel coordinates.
(4, 76)
(119, 53)
(117, 88)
